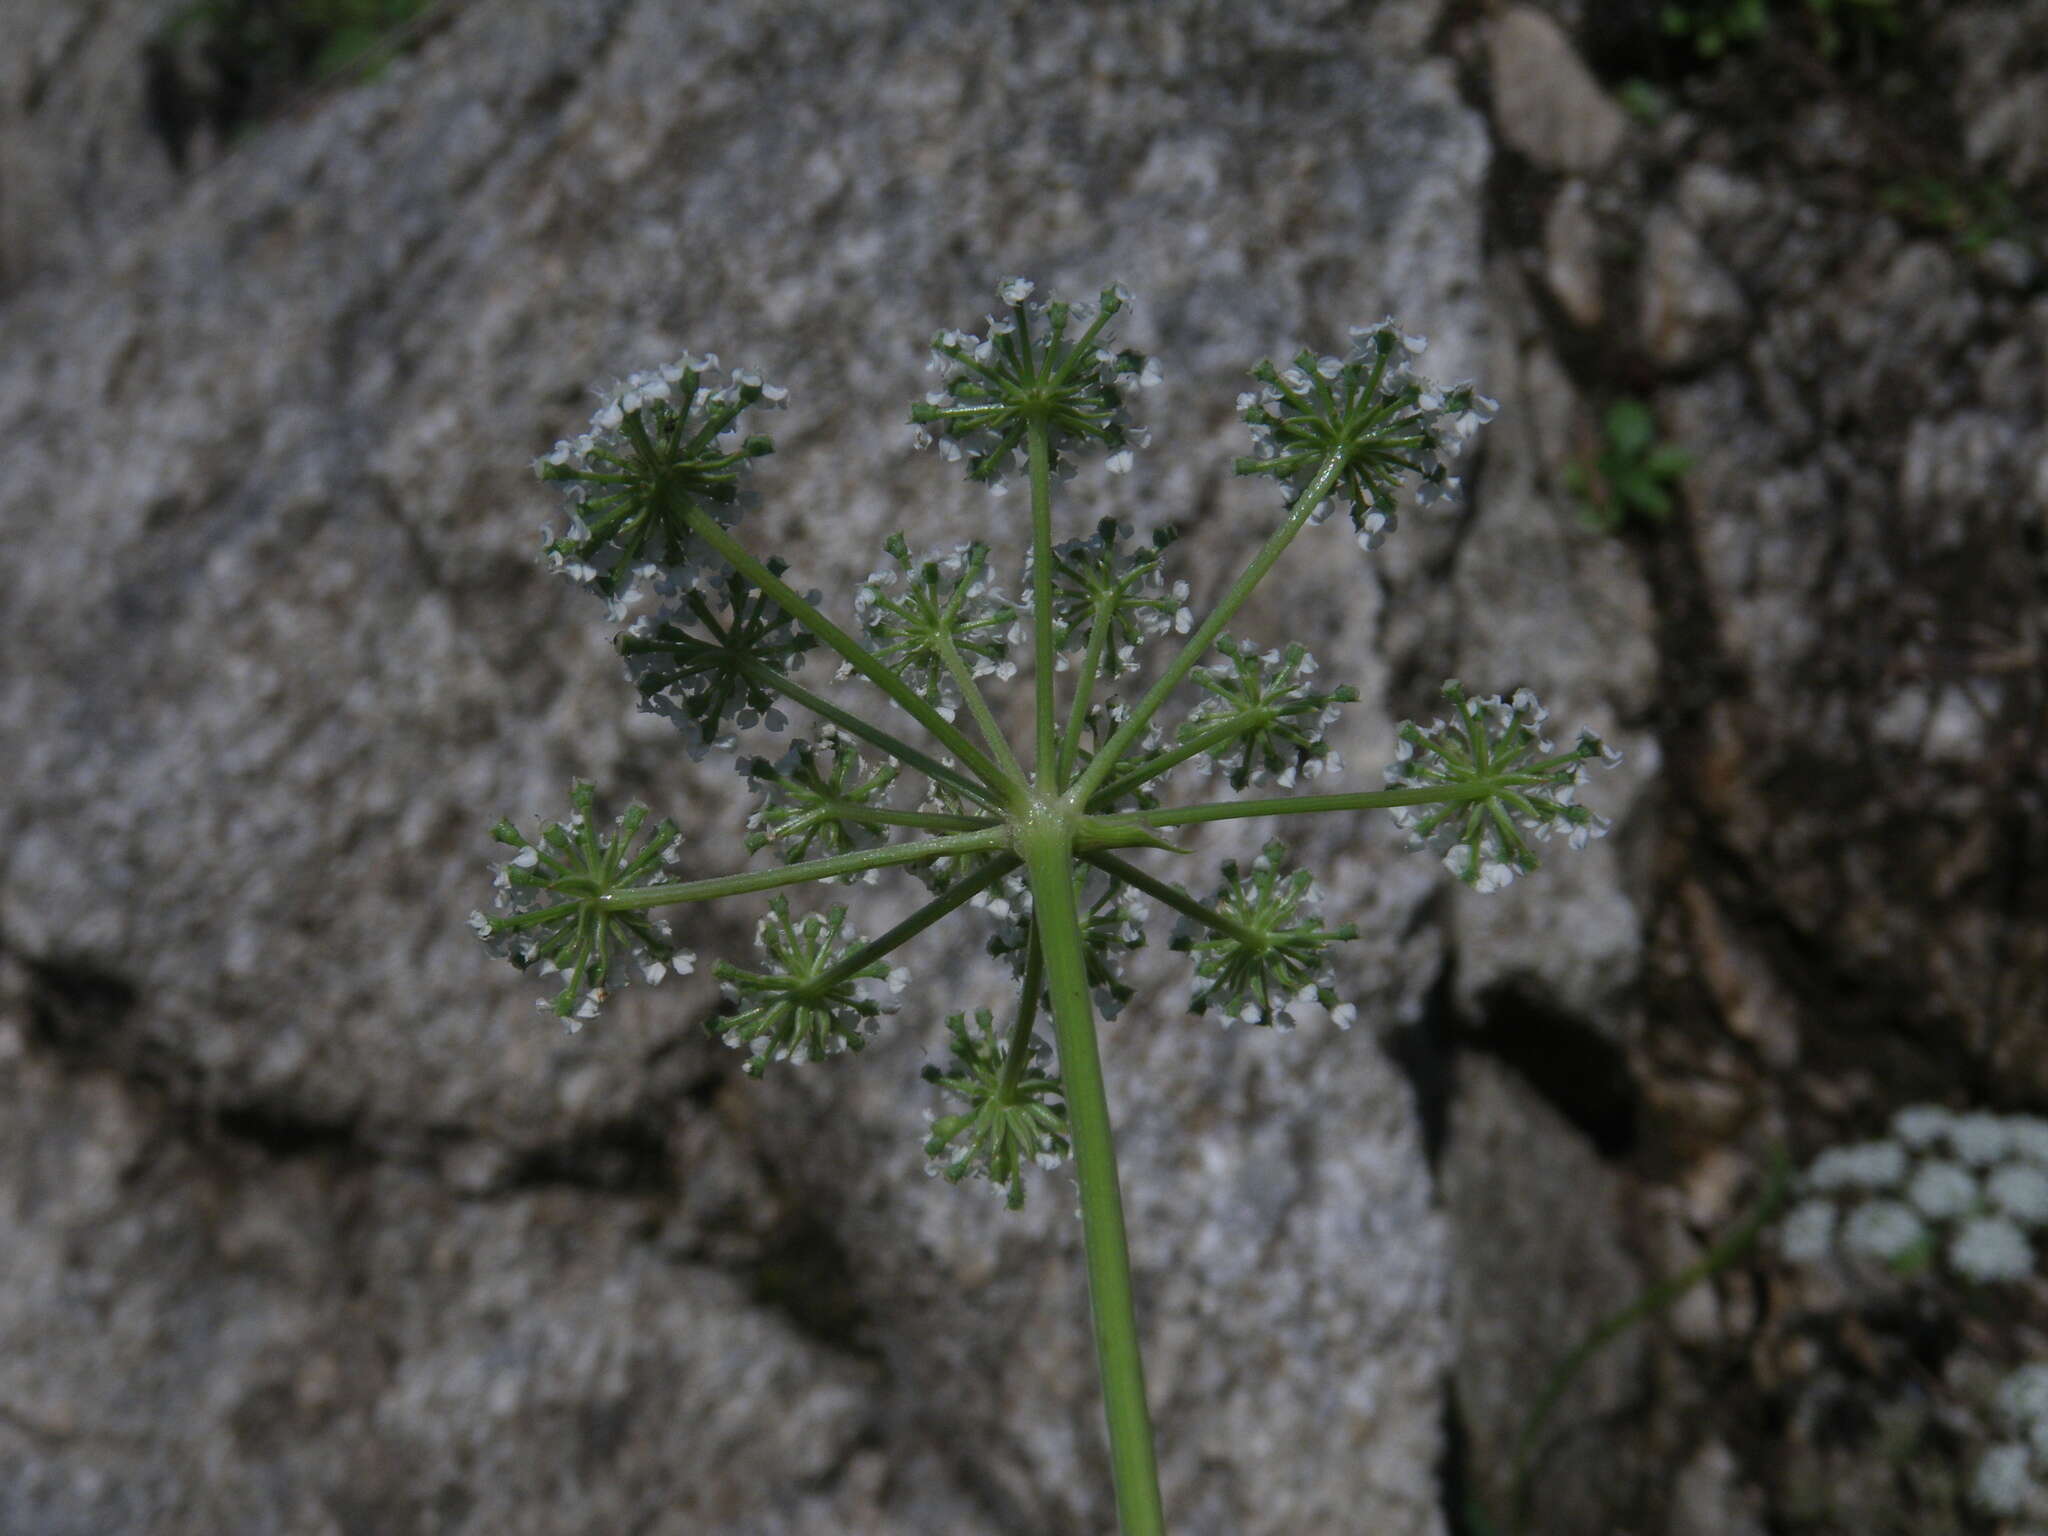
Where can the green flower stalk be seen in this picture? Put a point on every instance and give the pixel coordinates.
(1038, 845)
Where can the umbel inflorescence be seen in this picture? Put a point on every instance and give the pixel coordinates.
(1040, 843)
(1957, 1192)
(717, 638)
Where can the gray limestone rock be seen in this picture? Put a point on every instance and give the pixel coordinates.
(282, 653)
(1691, 308)
(1546, 103)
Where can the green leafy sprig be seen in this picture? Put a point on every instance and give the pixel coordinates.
(1631, 476)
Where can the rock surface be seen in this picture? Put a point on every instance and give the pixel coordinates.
(311, 1224)
(1546, 103)
(291, 655)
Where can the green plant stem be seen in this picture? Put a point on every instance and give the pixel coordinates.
(954, 897)
(1173, 896)
(927, 821)
(1198, 643)
(850, 650)
(1032, 983)
(1041, 600)
(854, 725)
(1084, 693)
(977, 706)
(1048, 858)
(640, 898)
(1732, 1245)
(1194, 746)
(1285, 805)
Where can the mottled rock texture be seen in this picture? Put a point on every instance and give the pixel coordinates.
(311, 1224)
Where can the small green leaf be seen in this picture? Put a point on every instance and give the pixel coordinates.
(1667, 462)
(1630, 428)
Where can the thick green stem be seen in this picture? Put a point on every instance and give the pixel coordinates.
(641, 897)
(850, 650)
(1204, 636)
(1048, 859)
(1041, 600)
(872, 734)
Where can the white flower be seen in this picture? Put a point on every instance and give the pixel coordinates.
(1980, 1137)
(1808, 1234)
(1922, 1124)
(2023, 1395)
(1943, 1189)
(2029, 1136)
(2003, 1485)
(1869, 1165)
(1991, 1248)
(1883, 1229)
(2021, 1191)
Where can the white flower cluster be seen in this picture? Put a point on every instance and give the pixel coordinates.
(916, 611)
(2012, 1478)
(1494, 744)
(1016, 1111)
(551, 913)
(697, 662)
(1967, 1186)
(1372, 407)
(1274, 959)
(1280, 721)
(1096, 581)
(995, 383)
(807, 795)
(800, 1008)
(658, 438)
